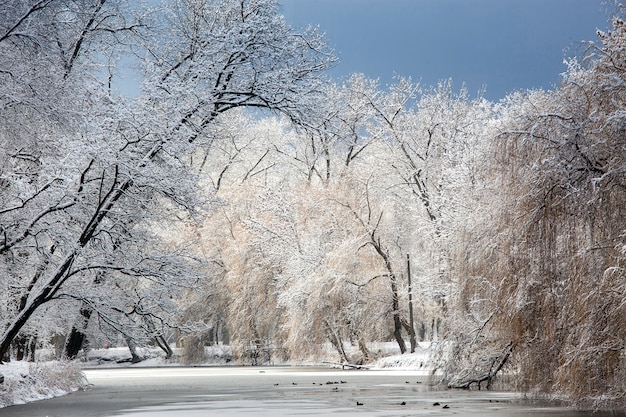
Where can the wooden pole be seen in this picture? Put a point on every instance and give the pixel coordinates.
(411, 324)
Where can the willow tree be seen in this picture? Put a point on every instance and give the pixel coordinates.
(551, 260)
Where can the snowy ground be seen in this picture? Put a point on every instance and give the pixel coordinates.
(390, 357)
(25, 382)
(420, 360)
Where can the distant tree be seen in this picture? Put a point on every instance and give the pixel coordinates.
(368, 217)
(287, 248)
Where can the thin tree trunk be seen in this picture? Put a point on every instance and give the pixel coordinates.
(411, 320)
(23, 348)
(395, 304)
(367, 355)
(132, 346)
(335, 340)
(397, 322)
(158, 338)
(31, 347)
(165, 347)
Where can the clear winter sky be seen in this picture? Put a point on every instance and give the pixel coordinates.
(503, 45)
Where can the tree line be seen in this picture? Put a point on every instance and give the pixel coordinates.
(244, 197)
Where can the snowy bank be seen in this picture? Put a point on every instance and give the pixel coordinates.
(27, 381)
(420, 360)
(217, 355)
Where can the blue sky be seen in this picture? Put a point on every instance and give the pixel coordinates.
(504, 45)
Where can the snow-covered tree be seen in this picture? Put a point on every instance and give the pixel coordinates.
(89, 203)
(550, 262)
(46, 96)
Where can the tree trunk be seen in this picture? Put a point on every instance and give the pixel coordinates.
(165, 347)
(77, 337)
(395, 304)
(367, 355)
(397, 322)
(43, 295)
(132, 346)
(159, 339)
(335, 340)
(397, 333)
(23, 347)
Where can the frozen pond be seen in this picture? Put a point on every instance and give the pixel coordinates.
(276, 392)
